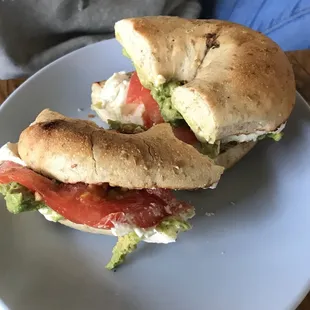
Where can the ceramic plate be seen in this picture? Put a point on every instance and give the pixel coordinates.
(249, 248)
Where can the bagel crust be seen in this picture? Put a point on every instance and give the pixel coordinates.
(72, 150)
(237, 81)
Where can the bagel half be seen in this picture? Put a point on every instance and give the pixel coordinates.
(72, 151)
(225, 159)
(103, 181)
(237, 84)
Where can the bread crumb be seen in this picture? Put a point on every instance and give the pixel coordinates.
(80, 110)
(232, 203)
(209, 214)
(91, 115)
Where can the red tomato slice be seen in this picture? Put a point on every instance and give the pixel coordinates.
(95, 205)
(185, 134)
(139, 95)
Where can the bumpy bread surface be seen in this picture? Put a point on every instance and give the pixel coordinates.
(72, 150)
(238, 81)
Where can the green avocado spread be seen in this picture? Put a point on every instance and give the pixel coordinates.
(124, 246)
(162, 95)
(19, 199)
(172, 227)
(128, 128)
(275, 136)
(128, 243)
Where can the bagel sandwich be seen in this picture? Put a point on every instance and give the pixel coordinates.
(104, 181)
(221, 84)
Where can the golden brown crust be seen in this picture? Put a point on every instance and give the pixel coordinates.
(234, 154)
(72, 150)
(238, 80)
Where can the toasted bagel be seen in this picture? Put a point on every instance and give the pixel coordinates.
(72, 150)
(237, 81)
(226, 159)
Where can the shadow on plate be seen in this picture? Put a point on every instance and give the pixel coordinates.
(44, 269)
(242, 187)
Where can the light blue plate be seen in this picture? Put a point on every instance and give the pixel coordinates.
(253, 254)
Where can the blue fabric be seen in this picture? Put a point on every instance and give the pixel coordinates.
(287, 22)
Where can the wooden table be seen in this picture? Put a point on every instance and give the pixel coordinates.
(301, 64)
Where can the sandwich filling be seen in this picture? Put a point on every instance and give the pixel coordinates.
(138, 105)
(151, 215)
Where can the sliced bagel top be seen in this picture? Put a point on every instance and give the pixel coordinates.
(72, 150)
(236, 80)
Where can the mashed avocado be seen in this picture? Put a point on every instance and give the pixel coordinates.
(172, 227)
(128, 243)
(275, 136)
(124, 246)
(19, 199)
(125, 128)
(162, 95)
